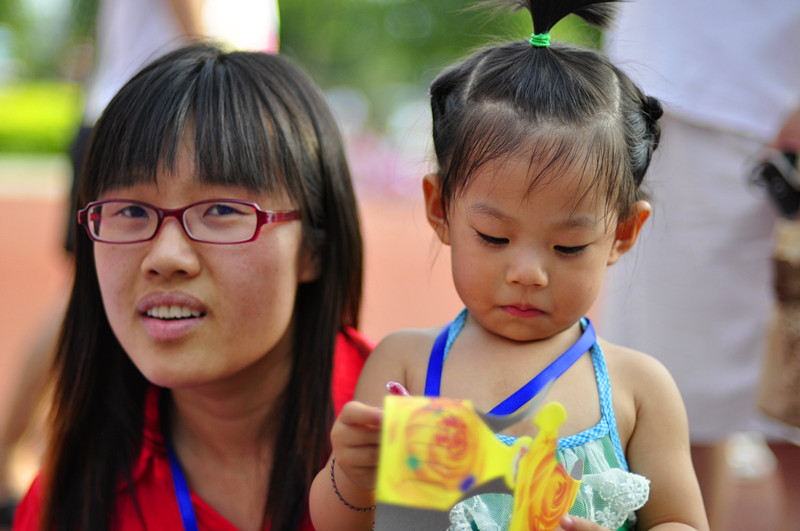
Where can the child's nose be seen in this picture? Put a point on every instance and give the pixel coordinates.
(527, 268)
(171, 252)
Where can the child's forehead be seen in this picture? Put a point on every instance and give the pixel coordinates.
(548, 146)
(520, 181)
(524, 171)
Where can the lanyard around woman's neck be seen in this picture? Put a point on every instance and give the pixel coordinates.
(182, 493)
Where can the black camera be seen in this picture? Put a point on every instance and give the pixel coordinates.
(778, 173)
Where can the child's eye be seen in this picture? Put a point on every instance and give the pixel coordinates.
(491, 240)
(570, 251)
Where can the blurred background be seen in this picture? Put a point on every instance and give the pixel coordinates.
(373, 58)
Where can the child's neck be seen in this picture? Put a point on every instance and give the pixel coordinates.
(491, 368)
(559, 341)
(513, 362)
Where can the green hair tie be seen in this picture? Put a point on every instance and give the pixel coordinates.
(540, 40)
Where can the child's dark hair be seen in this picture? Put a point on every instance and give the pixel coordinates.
(256, 121)
(569, 105)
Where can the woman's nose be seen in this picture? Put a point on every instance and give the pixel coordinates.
(171, 252)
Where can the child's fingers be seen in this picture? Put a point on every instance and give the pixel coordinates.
(355, 438)
(570, 523)
(356, 434)
(358, 414)
(359, 464)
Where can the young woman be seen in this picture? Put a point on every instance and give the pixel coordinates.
(218, 269)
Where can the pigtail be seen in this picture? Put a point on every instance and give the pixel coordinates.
(649, 135)
(547, 13)
(447, 99)
(561, 104)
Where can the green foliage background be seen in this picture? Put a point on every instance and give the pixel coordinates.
(389, 50)
(38, 117)
(381, 45)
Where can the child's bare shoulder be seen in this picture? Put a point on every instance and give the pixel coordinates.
(401, 357)
(641, 385)
(409, 340)
(634, 367)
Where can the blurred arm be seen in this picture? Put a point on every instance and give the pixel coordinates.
(189, 14)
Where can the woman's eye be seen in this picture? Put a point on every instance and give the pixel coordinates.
(221, 209)
(491, 240)
(570, 251)
(133, 211)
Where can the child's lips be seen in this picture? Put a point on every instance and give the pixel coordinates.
(523, 310)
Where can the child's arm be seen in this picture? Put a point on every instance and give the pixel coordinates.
(342, 495)
(658, 448)
(355, 437)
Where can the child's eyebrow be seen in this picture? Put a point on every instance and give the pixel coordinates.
(580, 222)
(482, 208)
(583, 221)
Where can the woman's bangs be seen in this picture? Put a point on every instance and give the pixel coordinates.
(233, 136)
(139, 133)
(229, 129)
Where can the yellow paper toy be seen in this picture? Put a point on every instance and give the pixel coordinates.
(434, 451)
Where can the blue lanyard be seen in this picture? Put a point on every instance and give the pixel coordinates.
(525, 393)
(182, 492)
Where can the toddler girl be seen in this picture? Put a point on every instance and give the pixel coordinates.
(541, 148)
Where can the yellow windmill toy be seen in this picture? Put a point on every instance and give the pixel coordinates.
(437, 451)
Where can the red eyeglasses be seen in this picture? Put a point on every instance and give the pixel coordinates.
(220, 221)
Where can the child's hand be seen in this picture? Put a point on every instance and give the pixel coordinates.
(355, 437)
(571, 523)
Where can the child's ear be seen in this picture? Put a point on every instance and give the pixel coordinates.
(628, 230)
(433, 207)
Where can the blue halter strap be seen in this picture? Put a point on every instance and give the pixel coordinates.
(525, 393)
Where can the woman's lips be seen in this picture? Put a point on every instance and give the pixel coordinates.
(174, 311)
(170, 329)
(170, 315)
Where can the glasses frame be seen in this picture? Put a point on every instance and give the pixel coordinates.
(263, 217)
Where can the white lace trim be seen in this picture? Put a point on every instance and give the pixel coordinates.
(475, 512)
(609, 498)
(615, 496)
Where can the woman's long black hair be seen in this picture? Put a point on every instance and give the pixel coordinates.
(259, 122)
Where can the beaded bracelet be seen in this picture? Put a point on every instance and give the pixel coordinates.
(336, 491)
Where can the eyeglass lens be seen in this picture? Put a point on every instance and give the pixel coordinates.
(215, 222)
